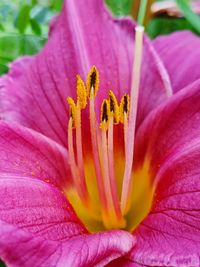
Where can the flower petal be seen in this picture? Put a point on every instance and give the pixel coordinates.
(39, 228)
(170, 235)
(169, 127)
(37, 207)
(25, 152)
(83, 35)
(169, 141)
(181, 56)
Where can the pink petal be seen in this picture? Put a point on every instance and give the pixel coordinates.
(38, 208)
(170, 236)
(25, 152)
(38, 228)
(169, 140)
(83, 35)
(180, 54)
(172, 125)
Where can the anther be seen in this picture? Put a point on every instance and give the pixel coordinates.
(104, 114)
(114, 108)
(124, 107)
(81, 92)
(72, 108)
(92, 83)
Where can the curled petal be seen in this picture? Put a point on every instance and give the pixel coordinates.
(26, 249)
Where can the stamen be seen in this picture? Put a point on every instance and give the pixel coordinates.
(124, 111)
(127, 181)
(124, 107)
(95, 152)
(114, 112)
(81, 104)
(114, 108)
(72, 107)
(104, 126)
(79, 150)
(81, 92)
(92, 83)
(104, 115)
(72, 162)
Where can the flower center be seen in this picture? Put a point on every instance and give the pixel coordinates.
(104, 193)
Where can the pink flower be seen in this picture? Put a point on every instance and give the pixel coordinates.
(43, 169)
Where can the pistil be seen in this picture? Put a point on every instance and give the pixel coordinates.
(127, 179)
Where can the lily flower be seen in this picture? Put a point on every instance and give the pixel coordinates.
(110, 178)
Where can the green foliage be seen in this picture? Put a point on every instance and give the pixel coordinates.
(191, 17)
(165, 25)
(24, 24)
(120, 7)
(36, 28)
(24, 27)
(14, 45)
(2, 264)
(23, 18)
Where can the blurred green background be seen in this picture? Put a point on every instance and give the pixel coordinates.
(24, 24)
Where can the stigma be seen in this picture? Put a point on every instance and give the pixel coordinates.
(100, 192)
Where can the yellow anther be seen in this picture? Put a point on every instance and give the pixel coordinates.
(72, 107)
(105, 113)
(114, 107)
(81, 92)
(124, 107)
(92, 83)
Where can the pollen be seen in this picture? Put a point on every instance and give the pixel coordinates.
(81, 92)
(114, 107)
(92, 83)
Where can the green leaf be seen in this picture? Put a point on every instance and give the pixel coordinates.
(193, 18)
(39, 13)
(1, 27)
(57, 4)
(13, 46)
(23, 18)
(2, 264)
(35, 27)
(120, 7)
(166, 25)
(3, 69)
(33, 2)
